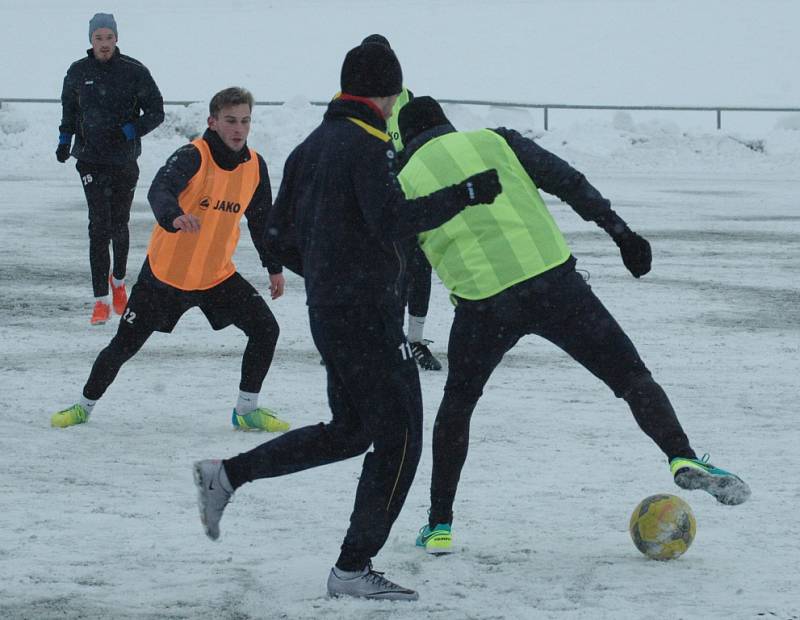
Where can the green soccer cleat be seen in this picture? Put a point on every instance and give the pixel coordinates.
(69, 417)
(260, 419)
(693, 474)
(436, 541)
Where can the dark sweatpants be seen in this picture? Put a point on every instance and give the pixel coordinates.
(155, 306)
(109, 194)
(562, 308)
(375, 399)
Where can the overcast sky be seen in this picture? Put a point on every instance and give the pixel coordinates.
(716, 52)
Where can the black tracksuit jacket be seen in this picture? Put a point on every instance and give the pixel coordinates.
(98, 98)
(340, 213)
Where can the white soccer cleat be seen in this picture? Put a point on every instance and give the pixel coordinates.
(214, 491)
(368, 584)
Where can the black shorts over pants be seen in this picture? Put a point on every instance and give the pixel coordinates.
(156, 306)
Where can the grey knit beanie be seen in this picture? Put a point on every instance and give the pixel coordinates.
(102, 20)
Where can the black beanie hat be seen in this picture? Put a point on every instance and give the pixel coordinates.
(377, 38)
(418, 115)
(371, 70)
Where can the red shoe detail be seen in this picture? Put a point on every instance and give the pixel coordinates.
(101, 313)
(119, 296)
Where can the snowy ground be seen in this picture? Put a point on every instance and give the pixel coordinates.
(99, 521)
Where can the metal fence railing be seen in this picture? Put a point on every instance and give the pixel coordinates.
(545, 107)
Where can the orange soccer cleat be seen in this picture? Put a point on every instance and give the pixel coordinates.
(119, 296)
(101, 313)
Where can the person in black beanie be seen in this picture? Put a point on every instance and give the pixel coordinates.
(515, 277)
(417, 286)
(338, 221)
(109, 101)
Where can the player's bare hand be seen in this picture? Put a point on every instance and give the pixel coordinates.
(276, 285)
(186, 223)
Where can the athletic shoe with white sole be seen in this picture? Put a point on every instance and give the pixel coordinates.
(367, 584)
(693, 474)
(436, 541)
(425, 359)
(260, 419)
(69, 417)
(214, 492)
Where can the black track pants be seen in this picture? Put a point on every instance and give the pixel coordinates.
(109, 195)
(375, 399)
(153, 307)
(565, 311)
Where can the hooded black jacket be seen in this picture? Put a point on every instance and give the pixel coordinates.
(340, 213)
(98, 98)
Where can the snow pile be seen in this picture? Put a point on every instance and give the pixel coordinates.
(28, 133)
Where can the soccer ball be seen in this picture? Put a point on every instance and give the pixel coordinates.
(662, 527)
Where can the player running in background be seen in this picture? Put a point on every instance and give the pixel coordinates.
(109, 101)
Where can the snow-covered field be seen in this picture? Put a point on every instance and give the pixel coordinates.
(99, 521)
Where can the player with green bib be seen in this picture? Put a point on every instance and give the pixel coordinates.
(511, 273)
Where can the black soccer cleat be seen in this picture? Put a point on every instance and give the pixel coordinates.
(425, 359)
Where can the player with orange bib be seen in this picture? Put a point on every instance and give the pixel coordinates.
(199, 197)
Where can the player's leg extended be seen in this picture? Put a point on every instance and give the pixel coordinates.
(586, 330)
(575, 320)
(123, 346)
(343, 437)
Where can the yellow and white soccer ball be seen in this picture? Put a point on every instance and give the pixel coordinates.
(663, 527)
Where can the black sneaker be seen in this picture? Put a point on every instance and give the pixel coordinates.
(423, 355)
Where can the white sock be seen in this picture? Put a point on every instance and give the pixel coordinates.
(247, 402)
(87, 404)
(348, 574)
(117, 283)
(416, 324)
(103, 298)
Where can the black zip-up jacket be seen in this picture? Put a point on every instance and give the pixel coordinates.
(98, 98)
(340, 212)
(183, 164)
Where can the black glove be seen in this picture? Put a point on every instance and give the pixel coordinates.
(635, 251)
(481, 188)
(62, 152)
